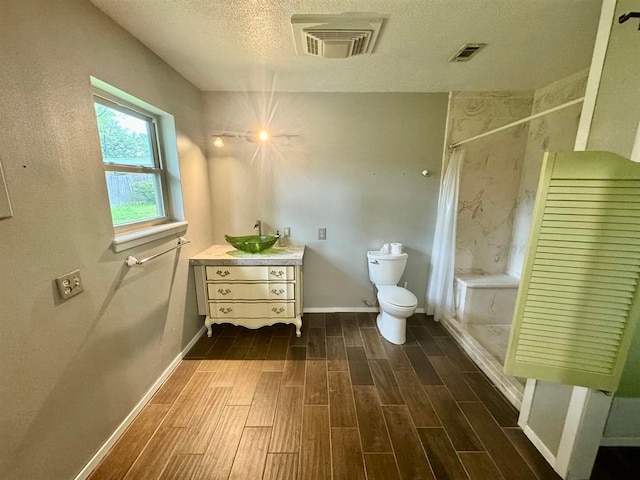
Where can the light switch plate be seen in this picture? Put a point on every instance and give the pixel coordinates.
(322, 234)
(69, 285)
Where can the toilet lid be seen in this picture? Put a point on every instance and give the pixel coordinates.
(397, 296)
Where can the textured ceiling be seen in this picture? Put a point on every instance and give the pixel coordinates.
(237, 45)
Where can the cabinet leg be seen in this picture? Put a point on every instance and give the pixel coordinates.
(298, 323)
(208, 323)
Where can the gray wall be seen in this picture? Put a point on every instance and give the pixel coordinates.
(616, 120)
(354, 169)
(617, 111)
(613, 128)
(71, 372)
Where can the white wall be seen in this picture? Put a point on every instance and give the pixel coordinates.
(72, 371)
(354, 170)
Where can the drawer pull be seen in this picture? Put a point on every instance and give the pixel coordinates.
(277, 292)
(278, 273)
(225, 310)
(226, 291)
(220, 273)
(278, 310)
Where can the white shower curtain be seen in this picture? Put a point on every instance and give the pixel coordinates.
(440, 297)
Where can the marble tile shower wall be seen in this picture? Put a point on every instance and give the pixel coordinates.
(489, 183)
(553, 132)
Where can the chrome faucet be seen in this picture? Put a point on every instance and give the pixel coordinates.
(258, 225)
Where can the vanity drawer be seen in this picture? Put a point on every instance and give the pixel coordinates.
(251, 291)
(251, 310)
(248, 273)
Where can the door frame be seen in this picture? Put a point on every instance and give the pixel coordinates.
(581, 436)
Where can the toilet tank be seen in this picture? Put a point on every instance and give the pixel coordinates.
(386, 269)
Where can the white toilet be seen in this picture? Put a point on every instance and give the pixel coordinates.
(396, 303)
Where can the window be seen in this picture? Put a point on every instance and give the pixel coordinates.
(140, 159)
(133, 164)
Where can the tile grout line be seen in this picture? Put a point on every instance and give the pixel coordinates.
(326, 372)
(393, 450)
(424, 392)
(192, 379)
(355, 410)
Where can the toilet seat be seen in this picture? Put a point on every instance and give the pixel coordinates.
(397, 296)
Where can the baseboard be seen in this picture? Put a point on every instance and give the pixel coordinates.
(620, 442)
(115, 436)
(339, 310)
(347, 310)
(623, 424)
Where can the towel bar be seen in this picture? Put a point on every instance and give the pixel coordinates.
(131, 261)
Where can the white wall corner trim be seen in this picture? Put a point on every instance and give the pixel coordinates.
(115, 436)
(607, 15)
(635, 153)
(5, 202)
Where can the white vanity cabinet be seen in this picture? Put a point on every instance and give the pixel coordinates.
(251, 290)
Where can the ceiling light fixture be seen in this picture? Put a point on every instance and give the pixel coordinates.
(261, 136)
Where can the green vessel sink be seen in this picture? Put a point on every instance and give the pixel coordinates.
(252, 243)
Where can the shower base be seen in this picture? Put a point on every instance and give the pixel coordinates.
(494, 339)
(487, 346)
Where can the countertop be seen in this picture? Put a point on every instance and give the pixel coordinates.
(227, 255)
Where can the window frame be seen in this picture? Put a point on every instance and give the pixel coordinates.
(158, 170)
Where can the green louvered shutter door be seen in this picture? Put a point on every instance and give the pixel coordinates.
(578, 300)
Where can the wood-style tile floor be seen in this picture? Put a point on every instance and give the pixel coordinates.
(340, 402)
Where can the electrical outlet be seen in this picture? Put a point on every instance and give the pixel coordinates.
(287, 232)
(322, 234)
(69, 285)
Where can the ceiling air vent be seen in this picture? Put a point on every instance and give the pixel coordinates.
(335, 36)
(467, 51)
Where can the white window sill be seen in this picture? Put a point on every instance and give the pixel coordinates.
(148, 235)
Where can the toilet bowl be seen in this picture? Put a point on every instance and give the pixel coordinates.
(396, 305)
